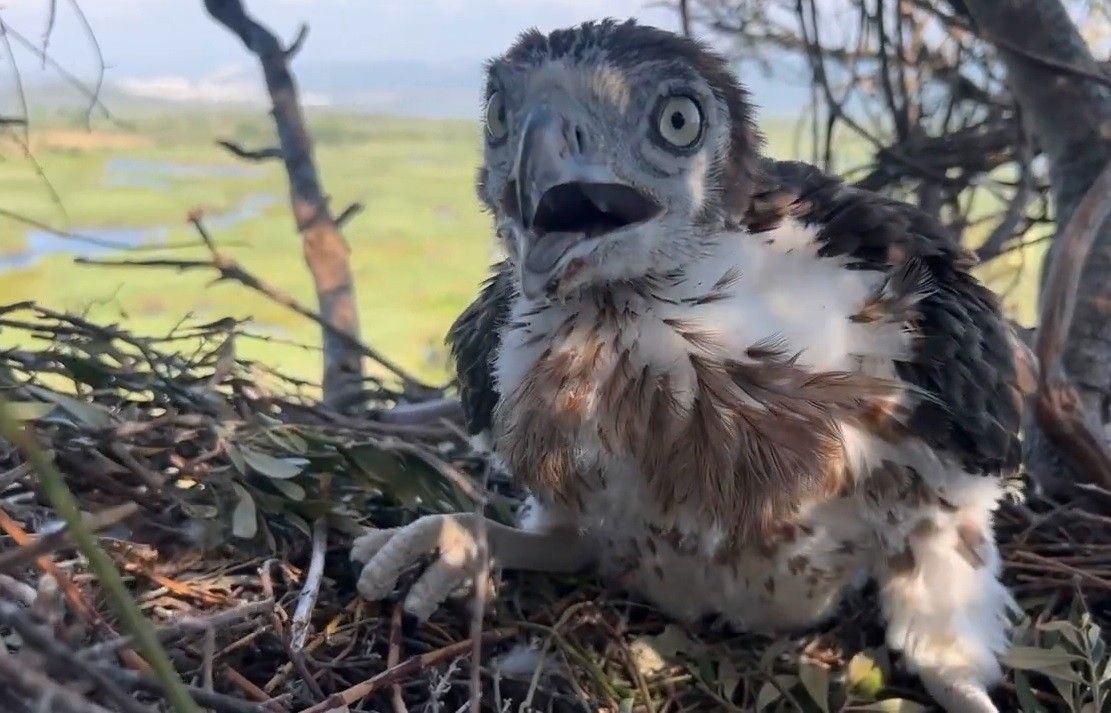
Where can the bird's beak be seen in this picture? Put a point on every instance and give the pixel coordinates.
(564, 195)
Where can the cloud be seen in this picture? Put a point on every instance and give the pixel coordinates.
(227, 84)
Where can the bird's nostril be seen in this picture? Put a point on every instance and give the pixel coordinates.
(580, 140)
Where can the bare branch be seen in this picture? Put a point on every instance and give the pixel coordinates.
(270, 152)
(1059, 409)
(298, 41)
(348, 213)
(326, 251)
(229, 269)
(75, 82)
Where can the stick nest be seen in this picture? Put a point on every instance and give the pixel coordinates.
(216, 484)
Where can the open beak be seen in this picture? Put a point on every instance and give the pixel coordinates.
(563, 198)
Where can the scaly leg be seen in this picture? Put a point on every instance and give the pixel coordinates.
(945, 606)
(455, 537)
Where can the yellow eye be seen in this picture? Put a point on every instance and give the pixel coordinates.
(679, 121)
(496, 126)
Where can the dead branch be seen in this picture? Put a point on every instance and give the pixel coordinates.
(348, 213)
(326, 251)
(229, 269)
(306, 601)
(239, 151)
(41, 687)
(407, 668)
(218, 702)
(1058, 407)
(53, 540)
(34, 635)
(183, 627)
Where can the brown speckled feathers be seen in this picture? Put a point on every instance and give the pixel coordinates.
(963, 358)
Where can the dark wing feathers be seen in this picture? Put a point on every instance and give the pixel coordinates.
(965, 356)
(474, 339)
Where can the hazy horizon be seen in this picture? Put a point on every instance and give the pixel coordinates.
(420, 58)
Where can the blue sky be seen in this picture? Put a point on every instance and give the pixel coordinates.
(378, 55)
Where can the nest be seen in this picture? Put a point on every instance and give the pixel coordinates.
(226, 496)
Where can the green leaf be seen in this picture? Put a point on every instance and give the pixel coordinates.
(91, 415)
(28, 410)
(408, 479)
(288, 488)
(729, 677)
(271, 467)
(236, 458)
(298, 522)
(1025, 694)
(244, 519)
(768, 695)
(864, 677)
(288, 441)
(815, 679)
(1032, 658)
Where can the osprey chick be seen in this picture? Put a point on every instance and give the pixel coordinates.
(734, 384)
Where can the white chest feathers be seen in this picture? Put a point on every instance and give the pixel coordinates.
(691, 418)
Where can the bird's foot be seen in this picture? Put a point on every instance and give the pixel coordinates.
(453, 539)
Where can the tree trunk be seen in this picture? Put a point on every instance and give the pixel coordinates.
(326, 251)
(1050, 71)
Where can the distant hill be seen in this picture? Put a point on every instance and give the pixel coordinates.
(401, 88)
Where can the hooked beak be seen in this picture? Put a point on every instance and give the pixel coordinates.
(562, 198)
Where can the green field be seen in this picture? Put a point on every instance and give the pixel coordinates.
(419, 249)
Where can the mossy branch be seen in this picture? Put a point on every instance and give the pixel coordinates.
(115, 590)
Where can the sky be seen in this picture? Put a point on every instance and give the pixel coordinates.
(391, 56)
(407, 56)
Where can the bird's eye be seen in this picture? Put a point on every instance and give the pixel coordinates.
(679, 121)
(496, 125)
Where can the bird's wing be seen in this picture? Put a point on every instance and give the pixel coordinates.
(474, 339)
(966, 355)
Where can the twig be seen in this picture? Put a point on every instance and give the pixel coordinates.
(74, 596)
(306, 601)
(16, 590)
(53, 540)
(348, 213)
(406, 669)
(75, 82)
(36, 684)
(481, 582)
(423, 412)
(1058, 407)
(65, 505)
(229, 269)
(182, 627)
(217, 701)
(14, 475)
(270, 152)
(393, 657)
(94, 94)
(249, 689)
(16, 618)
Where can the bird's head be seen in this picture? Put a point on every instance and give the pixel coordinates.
(612, 150)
